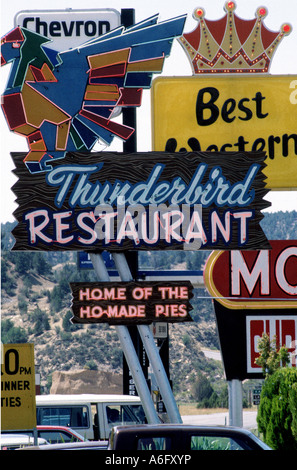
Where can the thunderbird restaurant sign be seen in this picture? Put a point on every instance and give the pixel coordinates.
(154, 200)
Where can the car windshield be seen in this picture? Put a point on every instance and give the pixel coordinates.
(218, 442)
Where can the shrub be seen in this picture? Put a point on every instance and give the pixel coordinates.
(22, 304)
(275, 415)
(91, 365)
(40, 319)
(293, 407)
(12, 334)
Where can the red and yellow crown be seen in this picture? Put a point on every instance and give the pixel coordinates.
(231, 44)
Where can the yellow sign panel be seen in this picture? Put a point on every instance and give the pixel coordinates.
(230, 113)
(18, 406)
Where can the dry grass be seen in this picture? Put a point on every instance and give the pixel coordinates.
(191, 409)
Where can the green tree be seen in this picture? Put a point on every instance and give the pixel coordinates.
(277, 410)
(23, 262)
(12, 334)
(40, 320)
(40, 264)
(67, 325)
(91, 365)
(272, 356)
(202, 388)
(293, 407)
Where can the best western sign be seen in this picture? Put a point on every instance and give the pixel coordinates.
(265, 279)
(69, 28)
(231, 113)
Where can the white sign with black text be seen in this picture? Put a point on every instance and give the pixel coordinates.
(69, 28)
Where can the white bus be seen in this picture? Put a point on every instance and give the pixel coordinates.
(93, 416)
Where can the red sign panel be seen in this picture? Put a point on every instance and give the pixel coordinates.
(254, 279)
(284, 328)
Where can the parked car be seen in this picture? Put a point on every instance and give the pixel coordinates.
(17, 441)
(86, 445)
(53, 434)
(183, 438)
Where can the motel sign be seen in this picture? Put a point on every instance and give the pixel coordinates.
(257, 279)
(254, 293)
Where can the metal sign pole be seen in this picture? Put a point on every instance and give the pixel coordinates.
(151, 349)
(129, 351)
(235, 403)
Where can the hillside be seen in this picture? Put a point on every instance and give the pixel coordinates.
(36, 304)
(38, 308)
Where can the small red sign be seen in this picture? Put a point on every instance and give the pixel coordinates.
(284, 328)
(254, 279)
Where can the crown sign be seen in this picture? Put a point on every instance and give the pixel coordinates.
(231, 44)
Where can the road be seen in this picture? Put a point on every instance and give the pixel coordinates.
(249, 419)
(212, 354)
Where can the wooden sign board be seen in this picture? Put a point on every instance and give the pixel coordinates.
(130, 303)
(142, 201)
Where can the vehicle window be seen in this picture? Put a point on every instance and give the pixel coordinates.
(54, 437)
(154, 443)
(214, 443)
(125, 414)
(75, 417)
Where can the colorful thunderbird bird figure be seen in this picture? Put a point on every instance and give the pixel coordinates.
(65, 101)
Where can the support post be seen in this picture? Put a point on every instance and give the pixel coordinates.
(151, 350)
(129, 351)
(235, 403)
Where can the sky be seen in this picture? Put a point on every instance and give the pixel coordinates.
(284, 63)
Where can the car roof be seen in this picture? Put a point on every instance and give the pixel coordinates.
(85, 398)
(165, 430)
(42, 427)
(49, 427)
(87, 445)
(169, 427)
(21, 439)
